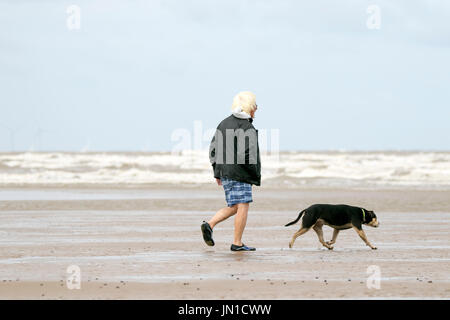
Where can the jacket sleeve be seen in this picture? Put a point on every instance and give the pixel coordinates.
(212, 152)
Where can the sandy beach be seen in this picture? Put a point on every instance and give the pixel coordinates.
(145, 243)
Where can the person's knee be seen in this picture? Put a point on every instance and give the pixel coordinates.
(234, 208)
(243, 205)
(242, 208)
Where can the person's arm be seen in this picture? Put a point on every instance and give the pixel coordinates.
(212, 152)
(212, 158)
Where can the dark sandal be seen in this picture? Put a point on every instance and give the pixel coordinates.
(241, 248)
(207, 233)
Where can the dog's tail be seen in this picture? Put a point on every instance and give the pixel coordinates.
(298, 218)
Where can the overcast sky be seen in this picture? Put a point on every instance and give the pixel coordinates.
(136, 71)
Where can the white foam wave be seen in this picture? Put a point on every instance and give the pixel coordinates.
(414, 169)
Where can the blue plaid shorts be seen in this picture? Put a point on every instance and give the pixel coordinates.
(236, 191)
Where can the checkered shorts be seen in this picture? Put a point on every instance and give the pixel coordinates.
(236, 191)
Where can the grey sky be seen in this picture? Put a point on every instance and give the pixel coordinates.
(138, 70)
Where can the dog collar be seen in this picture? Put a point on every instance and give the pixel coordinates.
(364, 214)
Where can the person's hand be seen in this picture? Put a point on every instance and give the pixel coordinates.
(219, 182)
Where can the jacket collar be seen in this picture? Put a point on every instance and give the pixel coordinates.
(239, 113)
(248, 119)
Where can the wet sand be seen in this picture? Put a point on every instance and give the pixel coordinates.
(146, 244)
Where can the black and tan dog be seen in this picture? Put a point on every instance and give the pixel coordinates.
(339, 217)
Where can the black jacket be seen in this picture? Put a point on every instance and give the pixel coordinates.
(234, 151)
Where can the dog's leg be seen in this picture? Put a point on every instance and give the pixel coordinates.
(297, 234)
(364, 237)
(318, 229)
(333, 240)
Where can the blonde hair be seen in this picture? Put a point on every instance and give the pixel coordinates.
(246, 100)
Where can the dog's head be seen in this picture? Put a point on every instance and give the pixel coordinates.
(371, 219)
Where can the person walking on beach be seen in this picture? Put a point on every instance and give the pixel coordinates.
(234, 155)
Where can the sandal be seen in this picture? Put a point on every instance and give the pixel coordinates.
(207, 233)
(241, 248)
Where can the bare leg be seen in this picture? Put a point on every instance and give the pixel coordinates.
(333, 240)
(239, 222)
(318, 229)
(222, 215)
(297, 234)
(362, 235)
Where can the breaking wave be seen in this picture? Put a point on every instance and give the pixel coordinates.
(288, 169)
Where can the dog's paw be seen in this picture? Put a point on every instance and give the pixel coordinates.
(330, 248)
(290, 245)
(374, 248)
